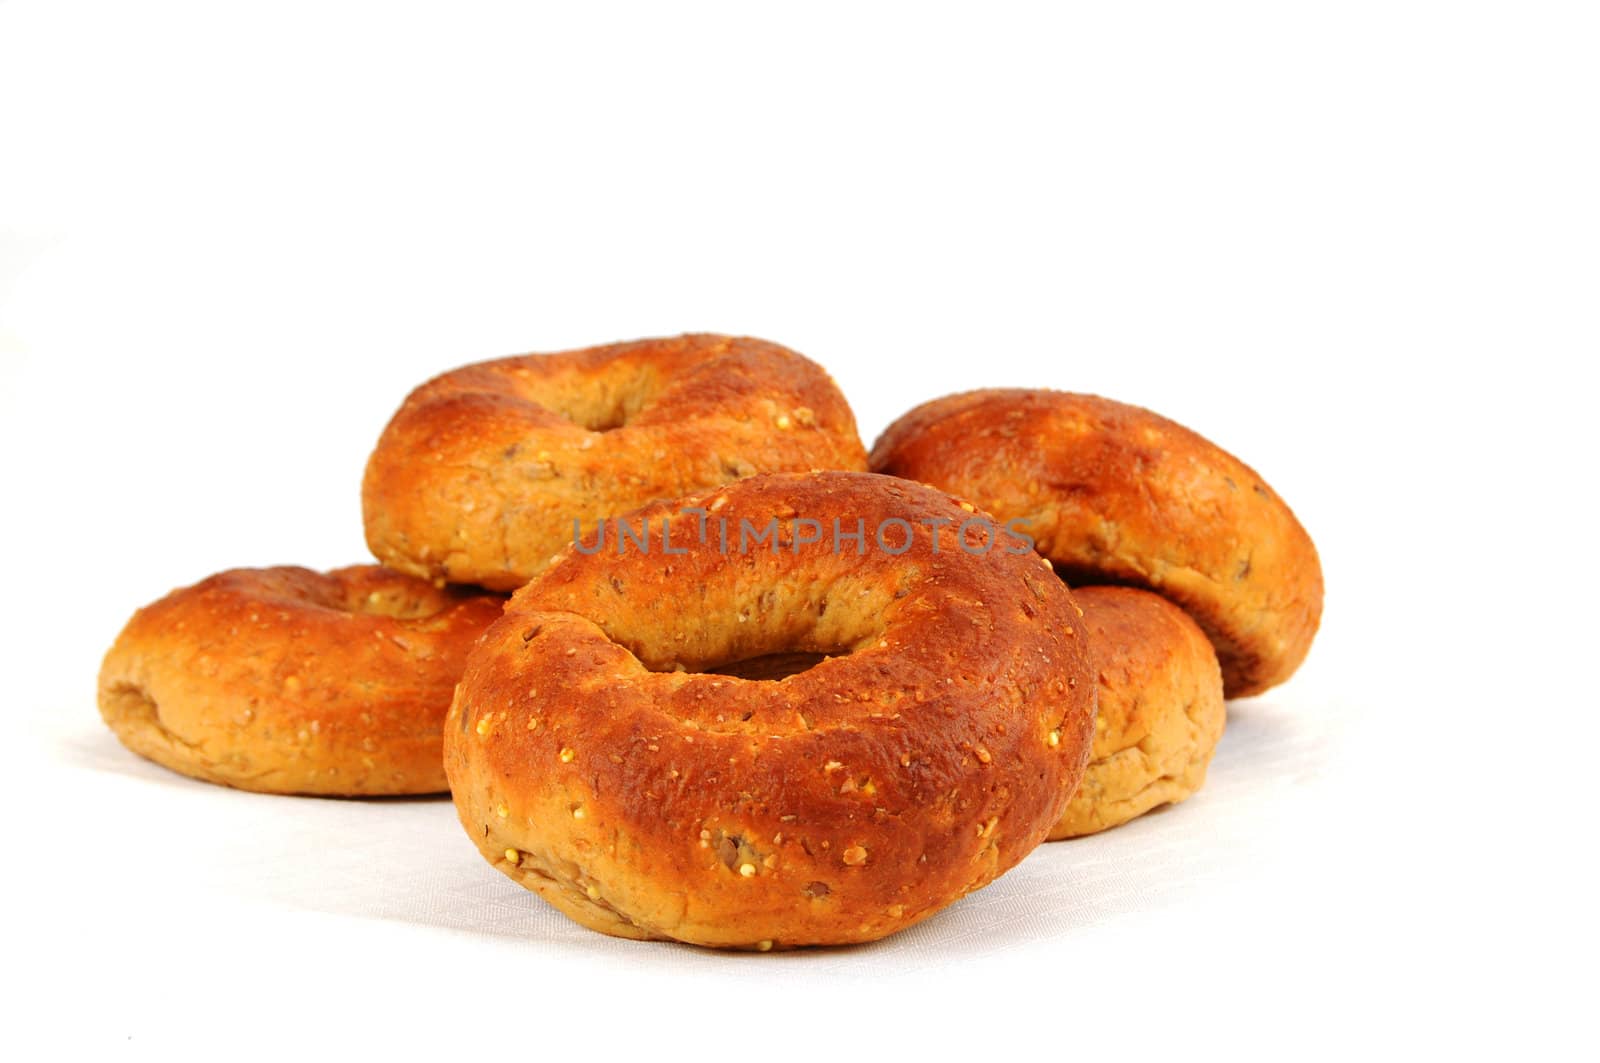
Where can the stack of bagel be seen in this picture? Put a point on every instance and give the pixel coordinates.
(753, 687)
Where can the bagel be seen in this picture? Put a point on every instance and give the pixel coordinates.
(284, 680)
(1116, 494)
(482, 473)
(1160, 709)
(609, 749)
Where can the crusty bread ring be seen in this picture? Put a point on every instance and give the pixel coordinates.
(284, 680)
(483, 471)
(1116, 494)
(1161, 710)
(601, 754)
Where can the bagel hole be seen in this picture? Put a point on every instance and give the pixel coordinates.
(598, 419)
(770, 666)
(394, 603)
(604, 403)
(131, 704)
(129, 701)
(756, 631)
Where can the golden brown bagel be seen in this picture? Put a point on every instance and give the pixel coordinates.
(1161, 710)
(1116, 494)
(603, 751)
(482, 472)
(285, 680)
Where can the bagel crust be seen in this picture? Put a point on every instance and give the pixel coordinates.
(284, 680)
(1160, 709)
(606, 750)
(1116, 494)
(482, 473)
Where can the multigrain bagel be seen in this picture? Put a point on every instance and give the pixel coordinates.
(1116, 494)
(482, 473)
(605, 750)
(284, 680)
(1160, 708)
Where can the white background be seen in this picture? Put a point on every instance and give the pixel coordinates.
(1358, 244)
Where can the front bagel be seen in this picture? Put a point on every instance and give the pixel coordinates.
(606, 749)
(482, 472)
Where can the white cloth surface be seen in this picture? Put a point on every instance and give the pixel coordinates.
(157, 893)
(408, 861)
(1320, 873)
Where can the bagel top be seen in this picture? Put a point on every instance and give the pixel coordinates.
(285, 680)
(1116, 493)
(605, 749)
(481, 474)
